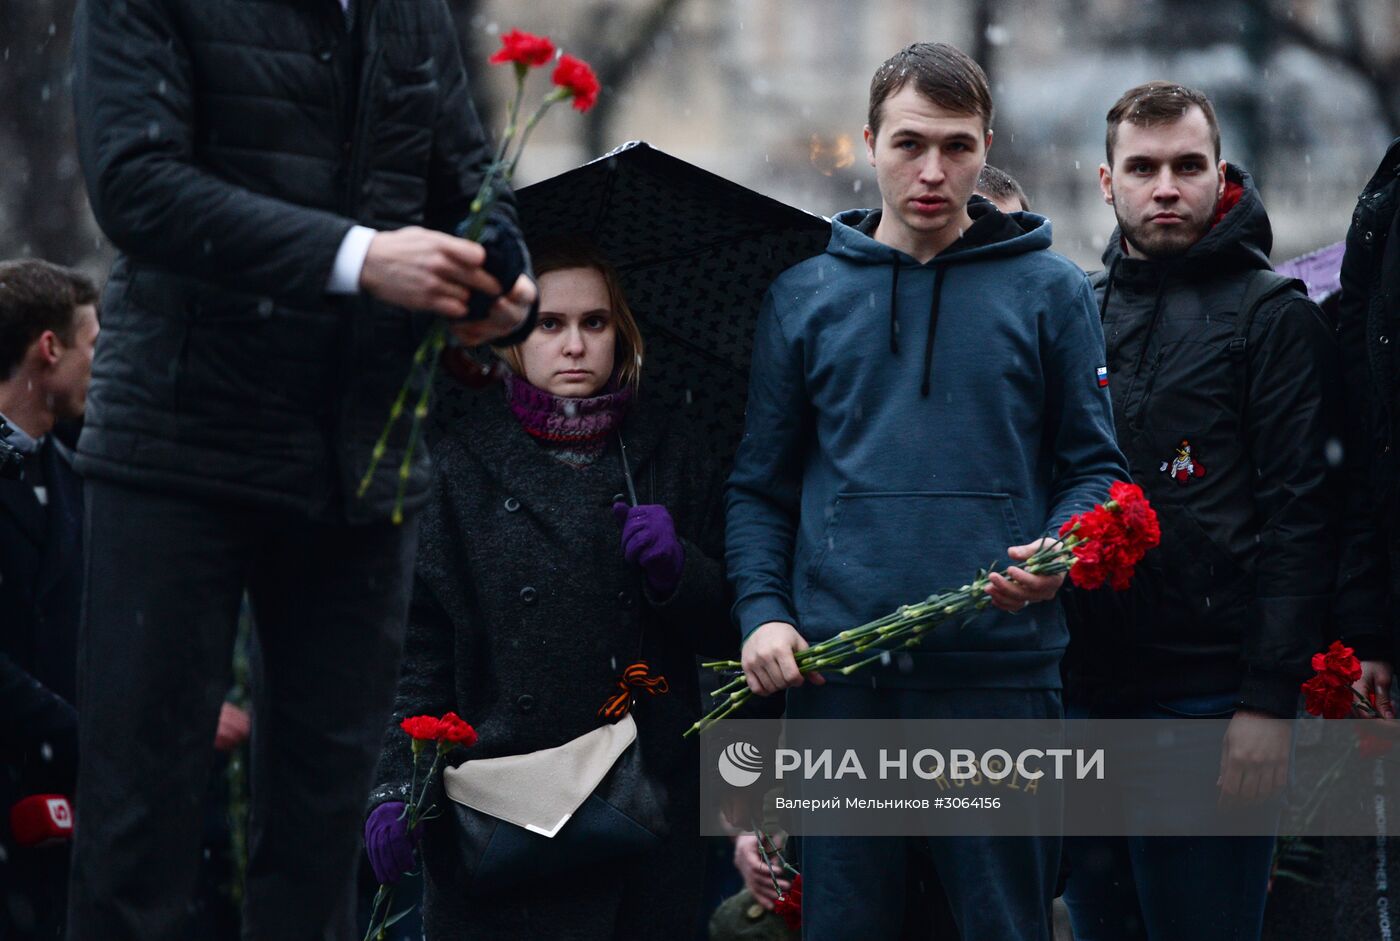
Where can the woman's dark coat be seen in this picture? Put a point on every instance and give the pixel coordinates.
(524, 614)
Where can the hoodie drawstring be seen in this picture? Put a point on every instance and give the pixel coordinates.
(932, 319)
(932, 329)
(894, 298)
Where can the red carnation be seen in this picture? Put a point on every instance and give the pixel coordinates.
(1137, 514)
(1113, 538)
(1338, 661)
(455, 730)
(422, 728)
(1323, 696)
(576, 76)
(789, 905)
(1329, 693)
(524, 49)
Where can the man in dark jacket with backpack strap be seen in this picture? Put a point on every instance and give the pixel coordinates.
(1222, 375)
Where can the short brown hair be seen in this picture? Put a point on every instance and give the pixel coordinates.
(944, 74)
(997, 184)
(1154, 103)
(37, 296)
(559, 253)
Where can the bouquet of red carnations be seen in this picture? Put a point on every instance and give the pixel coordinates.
(1098, 547)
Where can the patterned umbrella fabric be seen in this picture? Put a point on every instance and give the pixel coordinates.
(695, 253)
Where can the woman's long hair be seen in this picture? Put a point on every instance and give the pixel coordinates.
(577, 252)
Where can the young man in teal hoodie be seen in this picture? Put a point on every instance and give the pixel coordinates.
(926, 396)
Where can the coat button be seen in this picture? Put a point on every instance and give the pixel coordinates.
(1366, 237)
(512, 504)
(618, 498)
(325, 55)
(528, 595)
(525, 703)
(1385, 341)
(624, 598)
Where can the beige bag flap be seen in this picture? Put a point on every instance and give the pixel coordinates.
(541, 790)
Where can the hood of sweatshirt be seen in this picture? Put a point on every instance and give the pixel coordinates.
(993, 234)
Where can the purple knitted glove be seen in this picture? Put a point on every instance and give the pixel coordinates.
(388, 842)
(649, 539)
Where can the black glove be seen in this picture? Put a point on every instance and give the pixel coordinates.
(506, 261)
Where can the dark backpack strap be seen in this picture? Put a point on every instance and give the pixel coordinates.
(1261, 288)
(1098, 280)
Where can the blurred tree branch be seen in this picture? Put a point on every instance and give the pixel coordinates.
(40, 184)
(617, 63)
(1379, 69)
(467, 16)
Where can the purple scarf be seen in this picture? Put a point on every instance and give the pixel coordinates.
(573, 431)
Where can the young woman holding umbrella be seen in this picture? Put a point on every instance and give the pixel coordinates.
(569, 569)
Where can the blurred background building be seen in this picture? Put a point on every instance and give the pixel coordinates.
(772, 93)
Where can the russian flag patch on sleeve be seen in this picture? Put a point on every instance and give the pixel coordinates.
(1102, 374)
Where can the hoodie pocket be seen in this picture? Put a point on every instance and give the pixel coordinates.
(882, 550)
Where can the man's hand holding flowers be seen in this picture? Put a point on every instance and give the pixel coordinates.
(769, 659)
(1018, 588)
(1376, 679)
(421, 269)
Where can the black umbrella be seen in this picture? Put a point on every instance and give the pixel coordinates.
(695, 253)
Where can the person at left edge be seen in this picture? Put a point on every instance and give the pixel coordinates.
(279, 179)
(48, 324)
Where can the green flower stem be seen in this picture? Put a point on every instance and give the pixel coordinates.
(436, 340)
(764, 853)
(383, 901)
(485, 193)
(420, 802)
(773, 848)
(377, 454)
(736, 700)
(729, 687)
(417, 748)
(851, 650)
(514, 117)
(559, 94)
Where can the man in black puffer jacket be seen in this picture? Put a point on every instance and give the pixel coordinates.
(279, 178)
(1368, 579)
(1223, 376)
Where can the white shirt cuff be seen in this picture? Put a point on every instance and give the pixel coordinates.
(345, 275)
